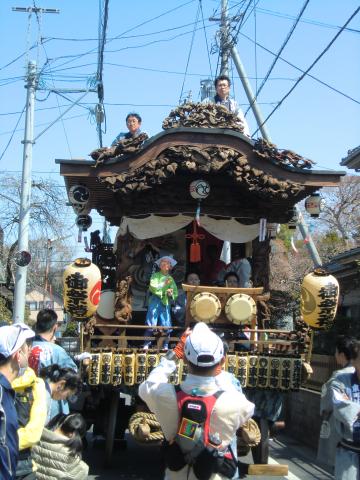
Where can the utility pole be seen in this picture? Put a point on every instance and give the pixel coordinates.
(224, 39)
(228, 46)
(25, 196)
(25, 199)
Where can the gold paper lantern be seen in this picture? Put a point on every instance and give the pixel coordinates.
(319, 299)
(82, 287)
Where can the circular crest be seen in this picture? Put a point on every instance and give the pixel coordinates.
(80, 209)
(240, 308)
(199, 189)
(79, 194)
(84, 222)
(205, 307)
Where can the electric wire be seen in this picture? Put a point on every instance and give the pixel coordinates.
(302, 71)
(206, 40)
(305, 20)
(309, 68)
(12, 133)
(93, 50)
(285, 42)
(190, 50)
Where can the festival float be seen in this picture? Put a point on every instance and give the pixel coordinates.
(199, 182)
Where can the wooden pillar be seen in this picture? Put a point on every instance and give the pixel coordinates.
(261, 276)
(261, 263)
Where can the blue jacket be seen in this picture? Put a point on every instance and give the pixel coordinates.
(9, 442)
(44, 354)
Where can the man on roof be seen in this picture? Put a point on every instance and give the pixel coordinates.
(222, 85)
(133, 123)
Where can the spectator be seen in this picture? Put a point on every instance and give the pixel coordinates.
(61, 383)
(217, 414)
(13, 361)
(30, 403)
(222, 97)
(58, 455)
(345, 397)
(45, 352)
(133, 123)
(231, 280)
(212, 264)
(241, 266)
(345, 352)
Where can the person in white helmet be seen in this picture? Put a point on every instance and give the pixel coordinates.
(199, 420)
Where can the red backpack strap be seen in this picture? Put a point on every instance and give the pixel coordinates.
(209, 402)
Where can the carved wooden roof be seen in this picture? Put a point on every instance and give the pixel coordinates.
(248, 179)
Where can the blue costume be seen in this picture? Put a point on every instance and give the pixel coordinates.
(44, 354)
(159, 310)
(345, 390)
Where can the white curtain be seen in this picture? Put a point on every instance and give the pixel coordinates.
(157, 226)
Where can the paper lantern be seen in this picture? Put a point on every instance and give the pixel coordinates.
(314, 205)
(79, 194)
(319, 299)
(82, 287)
(199, 189)
(292, 223)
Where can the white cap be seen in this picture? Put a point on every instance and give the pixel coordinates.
(203, 347)
(172, 260)
(13, 337)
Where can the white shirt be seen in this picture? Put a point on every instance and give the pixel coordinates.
(231, 409)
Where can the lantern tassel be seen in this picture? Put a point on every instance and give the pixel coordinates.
(195, 248)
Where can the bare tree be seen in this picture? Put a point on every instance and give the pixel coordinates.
(342, 211)
(47, 207)
(48, 230)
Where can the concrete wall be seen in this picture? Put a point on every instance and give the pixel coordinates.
(302, 417)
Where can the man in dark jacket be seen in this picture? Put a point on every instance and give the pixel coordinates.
(13, 361)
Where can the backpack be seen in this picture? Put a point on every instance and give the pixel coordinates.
(193, 444)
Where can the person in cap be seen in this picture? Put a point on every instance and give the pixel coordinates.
(196, 448)
(14, 353)
(46, 352)
(163, 290)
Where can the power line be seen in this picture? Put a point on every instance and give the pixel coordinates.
(288, 36)
(302, 71)
(310, 67)
(12, 133)
(206, 40)
(305, 20)
(190, 50)
(130, 30)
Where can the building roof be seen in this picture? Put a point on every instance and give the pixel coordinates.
(346, 264)
(352, 160)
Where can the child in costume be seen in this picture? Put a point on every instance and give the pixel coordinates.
(163, 289)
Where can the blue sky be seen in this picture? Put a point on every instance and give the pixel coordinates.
(144, 72)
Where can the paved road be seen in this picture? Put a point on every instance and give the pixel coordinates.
(144, 463)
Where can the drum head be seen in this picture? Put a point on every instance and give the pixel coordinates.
(240, 308)
(205, 307)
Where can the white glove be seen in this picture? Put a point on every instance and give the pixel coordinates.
(82, 356)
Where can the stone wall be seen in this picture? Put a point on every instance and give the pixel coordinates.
(302, 419)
